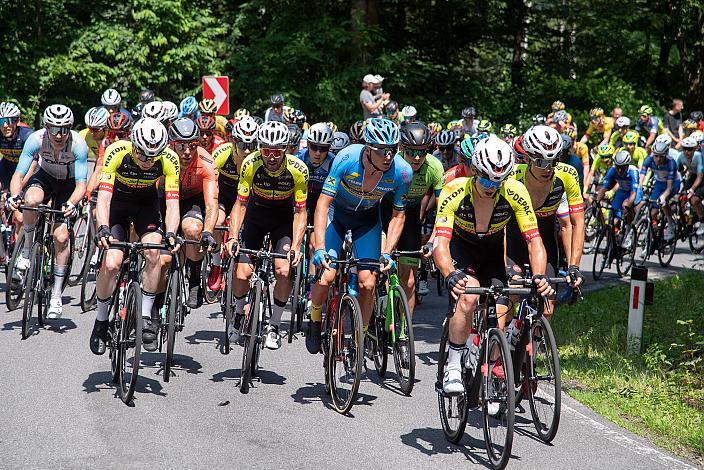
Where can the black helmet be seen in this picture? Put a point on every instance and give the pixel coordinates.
(696, 116)
(539, 119)
(137, 111)
(183, 130)
(277, 99)
(469, 112)
(294, 135)
(391, 107)
(146, 95)
(415, 134)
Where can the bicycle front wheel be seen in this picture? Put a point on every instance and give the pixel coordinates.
(602, 251)
(403, 346)
(228, 304)
(130, 341)
(89, 280)
(498, 398)
(544, 383)
(34, 288)
(644, 242)
(296, 293)
(173, 306)
(79, 251)
(210, 296)
(14, 289)
(376, 339)
(453, 408)
(627, 249)
(250, 329)
(345, 355)
(696, 242)
(666, 251)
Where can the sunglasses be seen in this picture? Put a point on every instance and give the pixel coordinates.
(206, 133)
(141, 156)
(388, 152)
(688, 149)
(543, 163)
(181, 146)
(246, 146)
(277, 106)
(8, 121)
(95, 129)
(319, 148)
(272, 153)
(56, 130)
(413, 153)
(486, 183)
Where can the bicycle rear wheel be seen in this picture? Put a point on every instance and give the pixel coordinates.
(602, 252)
(592, 227)
(644, 242)
(345, 356)
(174, 305)
(130, 341)
(624, 261)
(544, 385)
(206, 266)
(498, 399)
(33, 283)
(228, 304)
(14, 289)
(296, 294)
(696, 243)
(453, 408)
(81, 237)
(666, 251)
(89, 280)
(376, 338)
(250, 329)
(405, 361)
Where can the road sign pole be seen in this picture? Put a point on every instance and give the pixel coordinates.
(639, 278)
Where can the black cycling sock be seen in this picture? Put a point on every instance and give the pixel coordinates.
(194, 272)
(456, 346)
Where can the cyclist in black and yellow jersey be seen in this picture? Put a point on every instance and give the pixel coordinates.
(228, 161)
(548, 182)
(469, 250)
(128, 194)
(271, 198)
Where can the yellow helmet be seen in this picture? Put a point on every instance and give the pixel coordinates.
(606, 151)
(558, 106)
(596, 113)
(242, 112)
(645, 110)
(631, 137)
(333, 126)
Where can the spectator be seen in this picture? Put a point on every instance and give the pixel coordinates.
(276, 111)
(372, 105)
(616, 113)
(673, 122)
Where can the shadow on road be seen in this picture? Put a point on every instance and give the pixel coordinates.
(315, 392)
(98, 381)
(62, 325)
(431, 441)
(208, 337)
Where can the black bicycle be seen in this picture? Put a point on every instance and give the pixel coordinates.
(210, 296)
(615, 242)
(84, 242)
(301, 288)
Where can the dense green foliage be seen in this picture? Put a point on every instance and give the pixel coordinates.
(509, 58)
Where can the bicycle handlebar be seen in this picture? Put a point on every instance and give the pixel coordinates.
(411, 254)
(264, 254)
(528, 287)
(138, 245)
(42, 208)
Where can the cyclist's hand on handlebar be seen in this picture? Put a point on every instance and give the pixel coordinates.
(456, 283)
(207, 240)
(294, 256)
(386, 263)
(103, 236)
(321, 258)
(232, 247)
(576, 278)
(543, 286)
(70, 209)
(427, 250)
(13, 202)
(172, 242)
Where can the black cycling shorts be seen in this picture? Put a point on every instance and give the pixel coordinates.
(56, 190)
(517, 248)
(193, 207)
(227, 195)
(254, 229)
(145, 216)
(484, 262)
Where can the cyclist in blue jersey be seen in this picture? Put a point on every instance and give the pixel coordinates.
(648, 123)
(62, 160)
(629, 191)
(358, 179)
(667, 181)
(12, 139)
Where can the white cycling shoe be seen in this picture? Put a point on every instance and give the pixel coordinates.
(452, 382)
(55, 309)
(21, 267)
(273, 338)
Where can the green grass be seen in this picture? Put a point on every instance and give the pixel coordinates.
(658, 393)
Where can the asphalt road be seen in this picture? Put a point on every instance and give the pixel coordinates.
(59, 409)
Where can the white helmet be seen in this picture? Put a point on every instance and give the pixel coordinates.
(111, 98)
(698, 136)
(149, 136)
(493, 158)
(245, 130)
(664, 138)
(96, 117)
(622, 157)
(542, 142)
(623, 121)
(339, 141)
(320, 133)
(153, 109)
(409, 111)
(273, 134)
(170, 111)
(9, 110)
(662, 144)
(58, 115)
(689, 143)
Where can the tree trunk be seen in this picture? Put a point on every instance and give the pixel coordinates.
(668, 35)
(691, 55)
(516, 12)
(364, 13)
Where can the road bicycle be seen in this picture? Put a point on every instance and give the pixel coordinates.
(615, 243)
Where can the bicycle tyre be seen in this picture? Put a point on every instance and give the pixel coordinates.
(130, 340)
(378, 343)
(601, 254)
(228, 305)
(14, 295)
(546, 431)
(624, 262)
(296, 293)
(80, 237)
(206, 265)
(498, 457)
(251, 327)
(450, 407)
(171, 317)
(33, 278)
(347, 308)
(666, 251)
(696, 243)
(644, 241)
(89, 283)
(402, 317)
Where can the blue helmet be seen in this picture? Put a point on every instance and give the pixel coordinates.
(380, 131)
(189, 105)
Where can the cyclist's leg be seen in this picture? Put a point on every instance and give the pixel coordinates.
(38, 192)
(281, 242)
(192, 211)
(61, 192)
(366, 243)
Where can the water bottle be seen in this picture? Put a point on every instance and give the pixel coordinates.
(472, 351)
(515, 334)
(352, 285)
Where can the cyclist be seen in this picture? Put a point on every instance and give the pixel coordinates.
(435, 128)
(207, 126)
(12, 139)
(294, 139)
(318, 158)
(598, 123)
(602, 163)
(690, 161)
(228, 161)
(357, 132)
(340, 140)
(169, 114)
(557, 106)
(118, 128)
(198, 198)
(358, 179)
(392, 113)
(568, 157)
(446, 151)
(112, 101)
(623, 125)
(630, 143)
(469, 249)
(548, 182)
(146, 96)
(410, 114)
(467, 121)
(276, 111)
(649, 124)
(96, 120)
(153, 109)
(208, 107)
(62, 171)
(629, 192)
(508, 132)
(463, 168)
(271, 182)
(484, 128)
(188, 107)
(667, 182)
(128, 196)
(539, 119)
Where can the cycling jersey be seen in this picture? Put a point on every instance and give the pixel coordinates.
(216, 142)
(316, 174)
(628, 182)
(10, 150)
(428, 176)
(564, 180)
(652, 126)
(199, 177)
(71, 163)
(224, 157)
(605, 126)
(574, 161)
(457, 171)
(121, 174)
(662, 173)
(638, 156)
(582, 151)
(345, 181)
(93, 145)
(453, 160)
(694, 166)
(455, 214)
(287, 186)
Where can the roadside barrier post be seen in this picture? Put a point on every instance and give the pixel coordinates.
(639, 277)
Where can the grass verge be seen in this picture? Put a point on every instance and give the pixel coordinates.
(658, 393)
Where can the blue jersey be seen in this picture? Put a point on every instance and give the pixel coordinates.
(663, 173)
(652, 125)
(71, 162)
(344, 183)
(10, 149)
(575, 162)
(694, 167)
(629, 181)
(316, 174)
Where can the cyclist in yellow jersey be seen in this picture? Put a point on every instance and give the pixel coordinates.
(469, 251)
(630, 143)
(602, 163)
(271, 198)
(128, 195)
(598, 124)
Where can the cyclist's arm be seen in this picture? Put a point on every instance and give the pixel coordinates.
(80, 169)
(210, 194)
(31, 147)
(172, 168)
(442, 257)
(697, 181)
(300, 196)
(393, 233)
(566, 236)
(321, 219)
